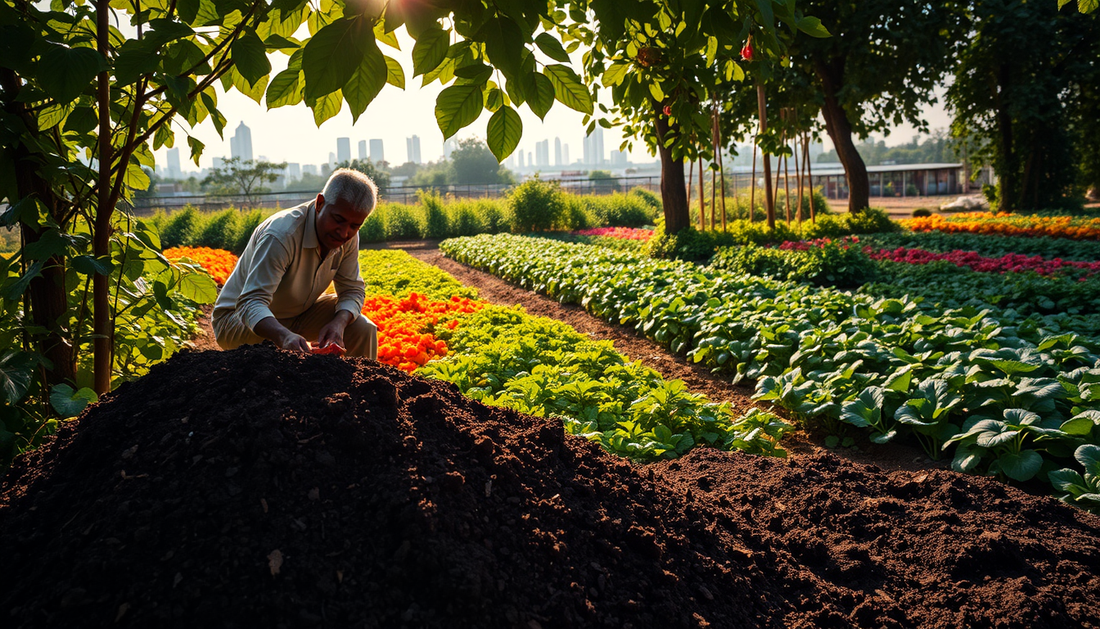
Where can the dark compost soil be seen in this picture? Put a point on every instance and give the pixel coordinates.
(262, 488)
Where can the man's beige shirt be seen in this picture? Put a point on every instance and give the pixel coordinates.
(281, 272)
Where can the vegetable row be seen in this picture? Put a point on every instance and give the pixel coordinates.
(999, 393)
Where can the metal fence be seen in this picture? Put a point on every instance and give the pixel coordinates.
(401, 194)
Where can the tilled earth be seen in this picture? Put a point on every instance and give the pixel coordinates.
(262, 488)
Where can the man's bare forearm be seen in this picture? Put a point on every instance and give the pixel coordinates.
(270, 329)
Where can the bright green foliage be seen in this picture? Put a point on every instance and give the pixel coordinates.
(824, 264)
(989, 246)
(395, 272)
(1080, 489)
(537, 206)
(814, 351)
(694, 245)
(152, 298)
(503, 356)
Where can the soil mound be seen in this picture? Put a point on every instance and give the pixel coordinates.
(262, 488)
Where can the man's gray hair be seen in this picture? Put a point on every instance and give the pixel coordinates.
(352, 187)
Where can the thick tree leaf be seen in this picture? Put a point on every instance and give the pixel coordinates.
(568, 88)
(250, 56)
(196, 149)
(198, 287)
(285, 89)
(133, 61)
(327, 106)
(503, 44)
(430, 50)
(16, 289)
(457, 107)
(367, 81)
(813, 27)
(551, 47)
(395, 74)
(504, 132)
(66, 72)
(615, 74)
(69, 403)
(331, 57)
(539, 91)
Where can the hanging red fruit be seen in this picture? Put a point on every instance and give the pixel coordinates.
(668, 110)
(746, 52)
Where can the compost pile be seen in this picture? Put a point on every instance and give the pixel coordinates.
(262, 488)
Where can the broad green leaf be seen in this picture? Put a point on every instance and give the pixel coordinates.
(16, 373)
(69, 403)
(615, 74)
(327, 106)
(967, 459)
(551, 47)
(66, 72)
(1066, 480)
(430, 50)
(250, 57)
(1088, 455)
(568, 88)
(1079, 426)
(504, 132)
(52, 116)
(198, 287)
(1020, 417)
(367, 81)
(900, 380)
(812, 27)
(539, 91)
(395, 74)
(331, 57)
(458, 106)
(285, 89)
(1022, 466)
(196, 149)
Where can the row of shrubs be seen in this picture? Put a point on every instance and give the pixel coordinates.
(699, 246)
(532, 206)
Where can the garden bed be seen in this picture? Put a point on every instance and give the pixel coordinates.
(259, 487)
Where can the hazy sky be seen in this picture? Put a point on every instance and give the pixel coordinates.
(290, 134)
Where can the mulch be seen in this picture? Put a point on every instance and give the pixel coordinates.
(258, 487)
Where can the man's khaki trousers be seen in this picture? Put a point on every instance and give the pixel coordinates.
(360, 337)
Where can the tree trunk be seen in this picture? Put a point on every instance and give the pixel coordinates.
(101, 237)
(1006, 189)
(673, 186)
(769, 202)
(46, 292)
(840, 130)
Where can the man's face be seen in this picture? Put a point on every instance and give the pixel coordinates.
(337, 222)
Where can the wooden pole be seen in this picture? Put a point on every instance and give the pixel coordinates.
(769, 202)
(691, 173)
(752, 184)
(810, 176)
(787, 183)
(702, 198)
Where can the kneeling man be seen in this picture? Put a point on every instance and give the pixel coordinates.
(277, 291)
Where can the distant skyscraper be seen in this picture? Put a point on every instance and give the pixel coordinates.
(293, 171)
(542, 153)
(240, 145)
(217, 162)
(557, 152)
(362, 150)
(309, 169)
(412, 149)
(343, 150)
(331, 162)
(618, 158)
(593, 148)
(530, 159)
(510, 162)
(520, 154)
(565, 154)
(174, 171)
(449, 147)
(376, 154)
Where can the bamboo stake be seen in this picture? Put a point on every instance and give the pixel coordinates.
(787, 185)
(702, 199)
(761, 105)
(691, 173)
(752, 194)
(810, 176)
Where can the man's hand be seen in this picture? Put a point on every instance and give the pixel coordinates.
(294, 342)
(333, 332)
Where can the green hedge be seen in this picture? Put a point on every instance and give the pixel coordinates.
(532, 206)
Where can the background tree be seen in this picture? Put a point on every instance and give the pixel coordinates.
(878, 70)
(243, 177)
(472, 162)
(665, 62)
(1020, 107)
(378, 175)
